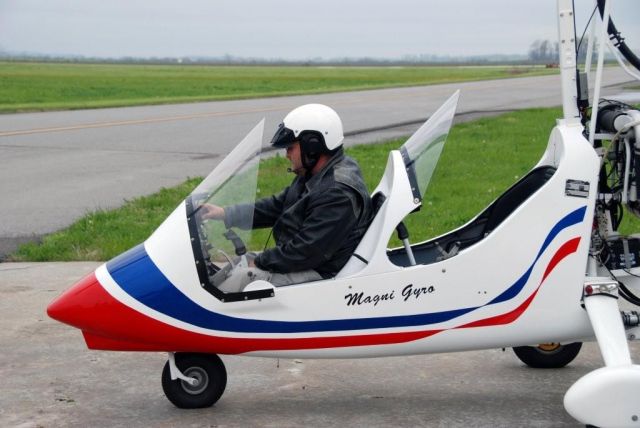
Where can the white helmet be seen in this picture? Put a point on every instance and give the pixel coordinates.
(318, 124)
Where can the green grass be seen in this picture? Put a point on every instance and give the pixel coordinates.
(56, 86)
(103, 234)
(479, 161)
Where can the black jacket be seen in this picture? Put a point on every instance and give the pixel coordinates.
(317, 222)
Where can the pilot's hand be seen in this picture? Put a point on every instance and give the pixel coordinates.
(213, 212)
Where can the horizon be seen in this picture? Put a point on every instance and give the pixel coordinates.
(282, 29)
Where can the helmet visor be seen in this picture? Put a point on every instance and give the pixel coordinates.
(284, 137)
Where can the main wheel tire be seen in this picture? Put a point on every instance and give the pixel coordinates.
(211, 376)
(548, 355)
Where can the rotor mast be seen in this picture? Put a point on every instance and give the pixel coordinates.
(567, 60)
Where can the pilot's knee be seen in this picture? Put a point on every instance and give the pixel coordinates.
(255, 274)
(240, 277)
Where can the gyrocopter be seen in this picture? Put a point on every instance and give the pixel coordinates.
(468, 289)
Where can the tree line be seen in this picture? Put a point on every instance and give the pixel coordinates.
(546, 52)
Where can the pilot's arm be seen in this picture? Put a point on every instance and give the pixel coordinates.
(212, 212)
(264, 213)
(329, 220)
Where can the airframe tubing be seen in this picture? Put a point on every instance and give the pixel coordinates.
(599, 70)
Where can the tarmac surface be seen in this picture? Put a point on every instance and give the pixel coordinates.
(50, 379)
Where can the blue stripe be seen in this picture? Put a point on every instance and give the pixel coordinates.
(138, 276)
(570, 219)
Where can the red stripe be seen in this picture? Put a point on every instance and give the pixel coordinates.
(143, 333)
(567, 248)
(507, 318)
(126, 329)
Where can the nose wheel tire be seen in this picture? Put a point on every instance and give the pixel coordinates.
(210, 380)
(548, 355)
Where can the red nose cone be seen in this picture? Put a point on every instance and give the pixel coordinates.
(75, 305)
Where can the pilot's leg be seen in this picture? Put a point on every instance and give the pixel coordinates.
(310, 275)
(240, 277)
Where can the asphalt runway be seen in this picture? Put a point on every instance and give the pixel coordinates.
(57, 166)
(50, 379)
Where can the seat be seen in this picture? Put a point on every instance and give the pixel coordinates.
(450, 244)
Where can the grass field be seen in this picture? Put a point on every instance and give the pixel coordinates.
(479, 161)
(53, 86)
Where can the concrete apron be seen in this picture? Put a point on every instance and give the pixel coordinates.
(50, 379)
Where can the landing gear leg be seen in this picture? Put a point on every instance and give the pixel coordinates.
(615, 386)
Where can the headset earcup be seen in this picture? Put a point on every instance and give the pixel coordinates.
(311, 144)
(311, 147)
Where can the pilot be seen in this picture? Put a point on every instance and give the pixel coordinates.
(318, 220)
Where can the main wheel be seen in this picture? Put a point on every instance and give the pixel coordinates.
(210, 375)
(548, 355)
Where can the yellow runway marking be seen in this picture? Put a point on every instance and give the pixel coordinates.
(132, 122)
(357, 98)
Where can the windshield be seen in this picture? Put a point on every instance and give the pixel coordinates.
(232, 182)
(422, 150)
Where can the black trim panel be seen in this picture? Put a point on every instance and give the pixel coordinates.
(411, 173)
(201, 266)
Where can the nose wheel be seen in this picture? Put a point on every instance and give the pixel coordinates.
(200, 381)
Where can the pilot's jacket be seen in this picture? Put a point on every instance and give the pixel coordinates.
(317, 221)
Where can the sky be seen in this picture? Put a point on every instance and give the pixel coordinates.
(289, 29)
